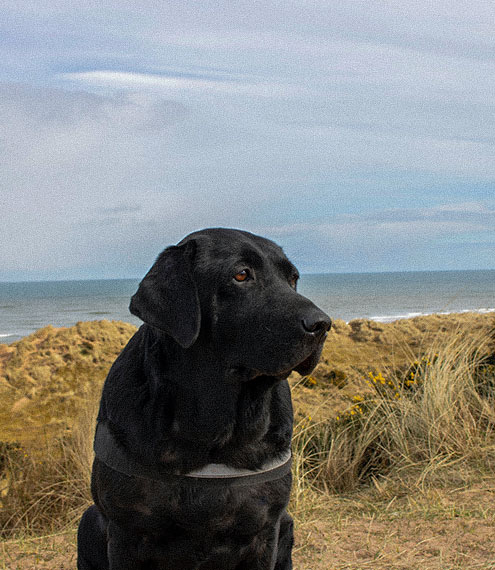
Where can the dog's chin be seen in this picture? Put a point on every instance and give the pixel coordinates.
(304, 367)
(308, 364)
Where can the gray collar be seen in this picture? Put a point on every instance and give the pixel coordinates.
(222, 471)
(111, 453)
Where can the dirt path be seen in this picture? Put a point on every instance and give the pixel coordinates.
(358, 544)
(400, 544)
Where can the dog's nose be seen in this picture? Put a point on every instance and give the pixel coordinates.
(316, 322)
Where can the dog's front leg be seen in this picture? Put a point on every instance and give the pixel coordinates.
(122, 551)
(276, 551)
(285, 543)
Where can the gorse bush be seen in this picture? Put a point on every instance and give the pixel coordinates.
(436, 414)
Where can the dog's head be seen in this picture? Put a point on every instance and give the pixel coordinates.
(235, 292)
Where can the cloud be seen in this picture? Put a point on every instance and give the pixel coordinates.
(48, 127)
(51, 107)
(122, 209)
(65, 152)
(399, 239)
(232, 84)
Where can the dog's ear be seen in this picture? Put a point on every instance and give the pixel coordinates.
(167, 298)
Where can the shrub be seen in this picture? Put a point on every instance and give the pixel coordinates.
(436, 413)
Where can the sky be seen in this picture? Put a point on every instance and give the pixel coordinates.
(358, 135)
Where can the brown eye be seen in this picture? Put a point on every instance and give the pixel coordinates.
(241, 276)
(293, 282)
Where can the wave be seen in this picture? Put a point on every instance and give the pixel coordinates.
(6, 335)
(392, 318)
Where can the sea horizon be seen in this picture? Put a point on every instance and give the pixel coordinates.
(304, 273)
(26, 306)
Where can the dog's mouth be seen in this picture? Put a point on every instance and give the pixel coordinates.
(309, 363)
(304, 367)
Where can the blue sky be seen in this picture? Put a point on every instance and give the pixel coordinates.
(358, 135)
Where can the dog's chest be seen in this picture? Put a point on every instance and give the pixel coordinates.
(194, 506)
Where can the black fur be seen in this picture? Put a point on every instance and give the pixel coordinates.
(203, 381)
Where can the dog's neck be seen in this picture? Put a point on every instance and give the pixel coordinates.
(212, 400)
(192, 410)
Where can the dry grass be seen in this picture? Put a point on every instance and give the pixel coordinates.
(48, 487)
(425, 420)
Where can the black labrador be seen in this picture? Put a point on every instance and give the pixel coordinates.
(195, 421)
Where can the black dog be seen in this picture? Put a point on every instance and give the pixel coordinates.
(192, 467)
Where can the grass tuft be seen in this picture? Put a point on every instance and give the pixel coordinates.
(47, 489)
(426, 419)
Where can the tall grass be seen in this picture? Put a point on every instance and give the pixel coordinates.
(46, 489)
(429, 420)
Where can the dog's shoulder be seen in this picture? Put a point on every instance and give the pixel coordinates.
(128, 379)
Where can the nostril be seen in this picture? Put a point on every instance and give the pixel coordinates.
(316, 324)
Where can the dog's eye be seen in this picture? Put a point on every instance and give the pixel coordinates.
(293, 281)
(242, 276)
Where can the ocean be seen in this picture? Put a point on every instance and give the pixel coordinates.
(385, 297)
